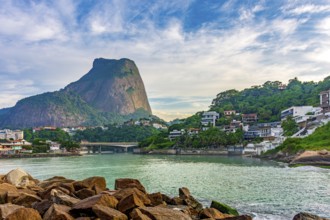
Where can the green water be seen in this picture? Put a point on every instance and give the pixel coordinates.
(268, 190)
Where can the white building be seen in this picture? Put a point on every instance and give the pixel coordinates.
(295, 111)
(8, 134)
(175, 134)
(325, 101)
(209, 118)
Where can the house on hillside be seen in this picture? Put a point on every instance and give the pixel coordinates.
(229, 113)
(175, 134)
(325, 101)
(209, 118)
(249, 118)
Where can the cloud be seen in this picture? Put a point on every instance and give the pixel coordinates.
(46, 45)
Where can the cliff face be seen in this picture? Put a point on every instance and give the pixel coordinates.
(112, 86)
(111, 91)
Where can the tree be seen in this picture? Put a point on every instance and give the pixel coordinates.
(290, 127)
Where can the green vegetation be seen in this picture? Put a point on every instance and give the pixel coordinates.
(319, 140)
(226, 209)
(212, 138)
(115, 133)
(268, 100)
(290, 127)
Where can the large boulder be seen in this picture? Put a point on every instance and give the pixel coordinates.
(129, 183)
(123, 193)
(59, 197)
(158, 213)
(136, 214)
(226, 209)
(86, 205)
(96, 183)
(42, 206)
(211, 213)
(156, 199)
(7, 209)
(307, 216)
(19, 178)
(104, 212)
(24, 213)
(58, 212)
(26, 200)
(129, 203)
(6, 189)
(241, 217)
(85, 193)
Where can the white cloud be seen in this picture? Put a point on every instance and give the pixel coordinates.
(309, 9)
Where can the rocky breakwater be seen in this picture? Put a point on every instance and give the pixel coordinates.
(59, 198)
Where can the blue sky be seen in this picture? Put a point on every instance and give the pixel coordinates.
(187, 51)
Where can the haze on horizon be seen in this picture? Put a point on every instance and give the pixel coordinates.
(187, 51)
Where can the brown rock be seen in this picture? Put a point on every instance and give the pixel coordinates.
(184, 193)
(130, 202)
(123, 193)
(166, 198)
(6, 188)
(85, 193)
(158, 213)
(129, 183)
(136, 214)
(59, 197)
(83, 218)
(7, 209)
(24, 213)
(96, 183)
(307, 216)
(85, 205)
(19, 178)
(156, 199)
(211, 213)
(58, 212)
(176, 201)
(56, 180)
(42, 206)
(240, 217)
(26, 200)
(104, 212)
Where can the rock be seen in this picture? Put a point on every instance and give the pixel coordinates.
(42, 206)
(61, 198)
(158, 213)
(85, 205)
(7, 209)
(96, 183)
(307, 216)
(136, 214)
(166, 198)
(6, 189)
(184, 193)
(85, 193)
(104, 212)
(123, 193)
(58, 212)
(323, 152)
(156, 199)
(129, 183)
(211, 213)
(54, 181)
(19, 178)
(130, 202)
(226, 209)
(176, 201)
(26, 200)
(24, 213)
(241, 217)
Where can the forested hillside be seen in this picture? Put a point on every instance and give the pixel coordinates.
(268, 100)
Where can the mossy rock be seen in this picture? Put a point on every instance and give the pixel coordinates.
(226, 209)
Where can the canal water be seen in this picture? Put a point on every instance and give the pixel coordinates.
(267, 190)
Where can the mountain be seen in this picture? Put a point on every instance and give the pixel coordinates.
(112, 91)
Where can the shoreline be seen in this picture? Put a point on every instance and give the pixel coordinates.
(38, 155)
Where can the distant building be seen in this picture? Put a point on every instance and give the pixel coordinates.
(249, 118)
(175, 134)
(209, 118)
(325, 101)
(229, 112)
(159, 126)
(295, 111)
(193, 131)
(8, 134)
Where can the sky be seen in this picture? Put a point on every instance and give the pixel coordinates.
(187, 51)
